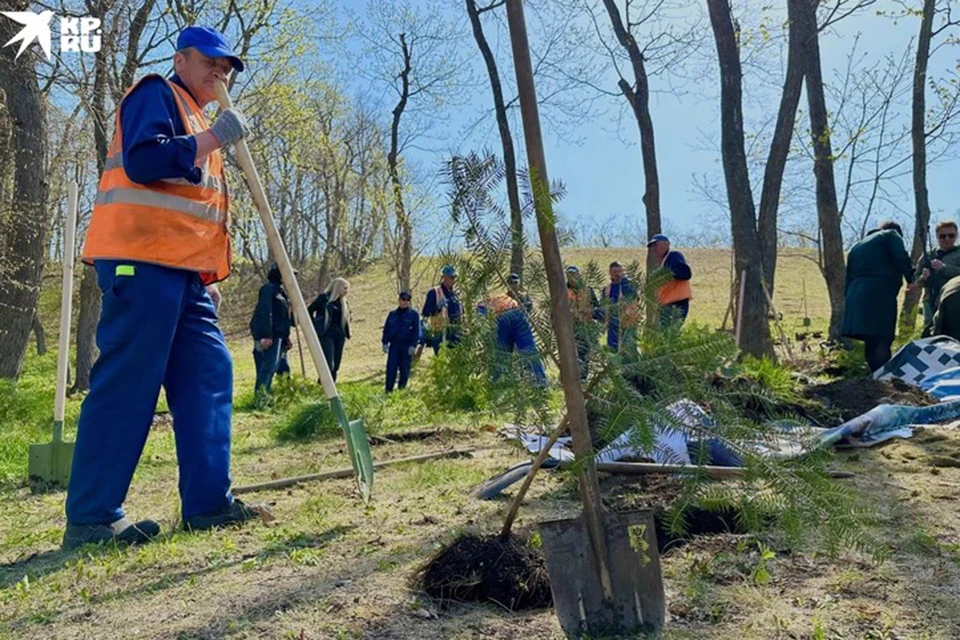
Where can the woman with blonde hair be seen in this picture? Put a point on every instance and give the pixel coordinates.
(331, 318)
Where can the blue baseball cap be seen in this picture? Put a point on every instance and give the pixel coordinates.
(209, 42)
(573, 269)
(513, 277)
(448, 270)
(658, 238)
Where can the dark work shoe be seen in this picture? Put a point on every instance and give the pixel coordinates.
(236, 513)
(121, 532)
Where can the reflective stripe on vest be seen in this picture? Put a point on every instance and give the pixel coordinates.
(171, 222)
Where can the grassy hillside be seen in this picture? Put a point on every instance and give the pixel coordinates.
(332, 568)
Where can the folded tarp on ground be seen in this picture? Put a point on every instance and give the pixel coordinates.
(933, 364)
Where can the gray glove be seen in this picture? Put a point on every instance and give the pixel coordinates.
(412, 351)
(230, 127)
(386, 348)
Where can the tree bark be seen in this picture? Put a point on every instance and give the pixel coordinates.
(27, 224)
(506, 141)
(777, 159)
(40, 335)
(828, 212)
(743, 222)
(638, 96)
(918, 137)
(560, 309)
(404, 227)
(89, 297)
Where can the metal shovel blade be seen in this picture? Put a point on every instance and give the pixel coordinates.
(638, 603)
(50, 463)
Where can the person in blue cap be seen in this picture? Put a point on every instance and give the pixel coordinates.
(401, 335)
(674, 295)
(442, 311)
(515, 291)
(159, 240)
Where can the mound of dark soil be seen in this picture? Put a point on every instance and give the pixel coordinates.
(749, 399)
(851, 398)
(486, 569)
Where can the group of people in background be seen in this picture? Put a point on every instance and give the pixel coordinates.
(877, 267)
(405, 332)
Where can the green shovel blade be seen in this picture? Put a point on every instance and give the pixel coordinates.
(358, 448)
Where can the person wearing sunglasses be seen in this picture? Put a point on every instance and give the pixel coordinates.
(937, 267)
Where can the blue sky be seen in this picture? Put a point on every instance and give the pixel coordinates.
(599, 160)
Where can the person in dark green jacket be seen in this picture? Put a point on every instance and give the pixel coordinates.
(946, 320)
(876, 267)
(331, 318)
(936, 268)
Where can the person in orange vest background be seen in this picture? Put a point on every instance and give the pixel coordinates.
(621, 309)
(586, 310)
(674, 296)
(159, 239)
(442, 312)
(513, 334)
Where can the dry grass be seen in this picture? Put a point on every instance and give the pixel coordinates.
(330, 568)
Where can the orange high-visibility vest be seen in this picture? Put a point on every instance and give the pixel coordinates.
(580, 304)
(438, 321)
(629, 312)
(501, 304)
(675, 290)
(170, 222)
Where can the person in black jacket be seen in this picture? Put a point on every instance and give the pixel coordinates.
(401, 334)
(331, 318)
(270, 328)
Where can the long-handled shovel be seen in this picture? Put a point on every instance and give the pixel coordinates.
(357, 444)
(50, 463)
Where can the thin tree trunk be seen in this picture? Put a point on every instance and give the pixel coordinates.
(89, 298)
(743, 222)
(828, 211)
(506, 141)
(638, 96)
(404, 228)
(40, 335)
(777, 159)
(26, 229)
(918, 136)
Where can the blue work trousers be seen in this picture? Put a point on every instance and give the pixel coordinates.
(674, 314)
(398, 361)
(158, 326)
(267, 363)
(514, 334)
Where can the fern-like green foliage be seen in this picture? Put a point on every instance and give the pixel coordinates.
(631, 391)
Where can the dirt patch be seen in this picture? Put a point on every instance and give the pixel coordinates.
(486, 569)
(751, 400)
(416, 436)
(851, 398)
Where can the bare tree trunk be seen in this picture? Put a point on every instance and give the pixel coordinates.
(40, 335)
(89, 298)
(828, 212)
(638, 96)
(404, 227)
(743, 222)
(25, 233)
(918, 136)
(506, 141)
(777, 160)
